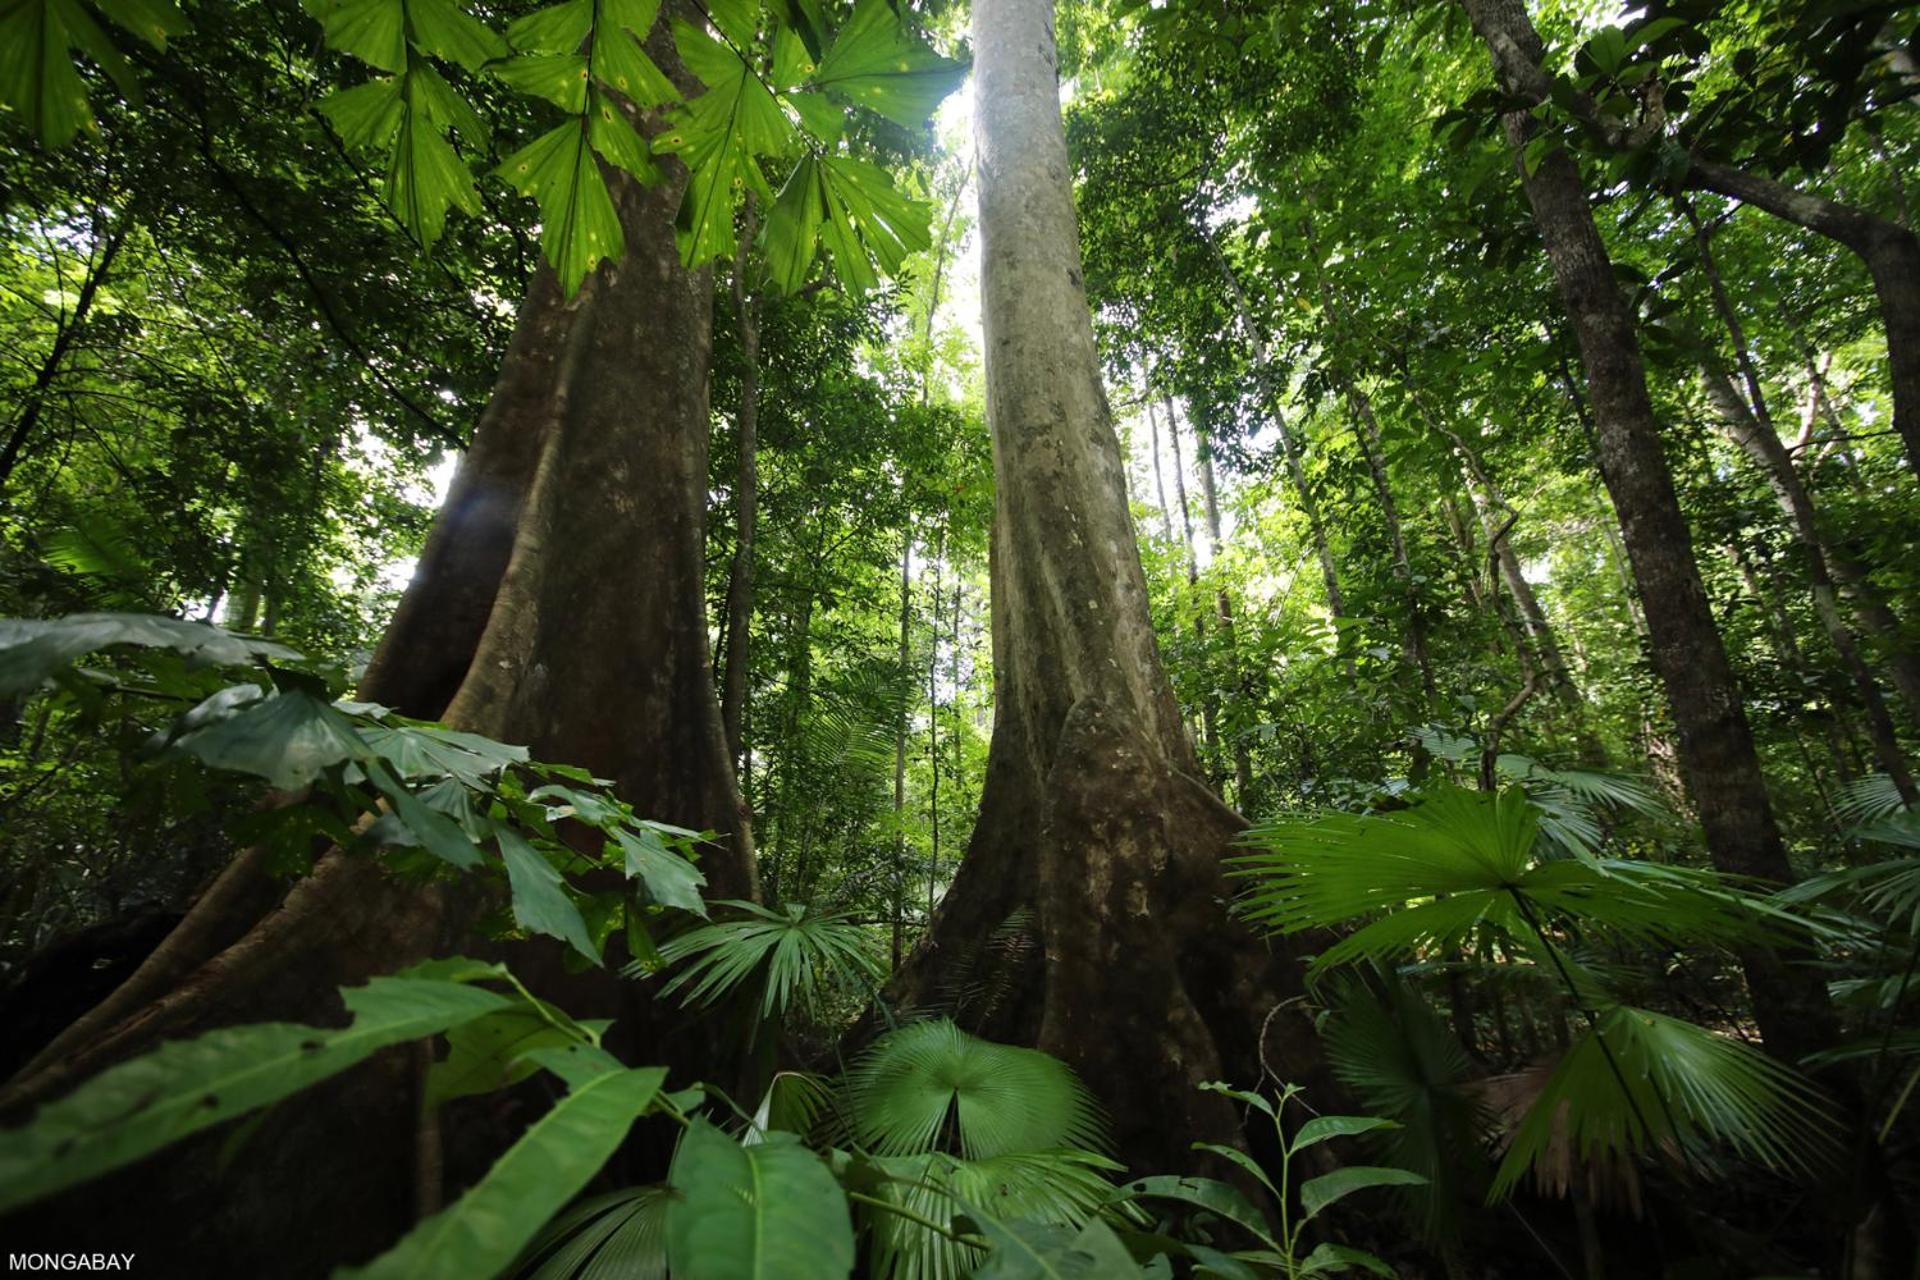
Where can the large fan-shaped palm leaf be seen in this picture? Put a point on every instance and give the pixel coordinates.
(1669, 1084)
(1461, 861)
(617, 1236)
(797, 953)
(930, 1086)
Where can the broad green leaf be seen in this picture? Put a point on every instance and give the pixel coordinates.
(824, 118)
(560, 78)
(736, 20)
(877, 64)
(719, 134)
(483, 1231)
(37, 74)
(671, 880)
(31, 649)
(1320, 1128)
(432, 830)
(431, 751)
(793, 227)
(578, 225)
(771, 1211)
(1046, 1251)
(1328, 1256)
(622, 65)
(1241, 1158)
(134, 1109)
(1222, 1198)
(540, 901)
(867, 218)
(616, 140)
(288, 739)
(558, 28)
(366, 115)
(425, 177)
(1317, 1193)
(491, 1052)
(374, 31)
(445, 29)
(155, 21)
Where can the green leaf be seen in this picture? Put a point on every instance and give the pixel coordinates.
(37, 76)
(1320, 1128)
(920, 1081)
(1327, 1256)
(793, 227)
(1220, 1198)
(671, 880)
(134, 1109)
(374, 31)
(558, 28)
(289, 739)
(1046, 1251)
(32, 650)
(737, 20)
(622, 65)
(615, 138)
(1317, 1193)
(876, 63)
(491, 1052)
(718, 134)
(483, 1231)
(578, 225)
(540, 901)
(154, 21)
(771, 1211)
(560, 78)
(425, 177)
(437, 833)
(868, 217)
(366, 115)
(445, 29)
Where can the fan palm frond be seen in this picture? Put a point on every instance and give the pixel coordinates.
(617, 1236)
(1462, 861)
(797, 953)
(1868, 799)
(1062, 1187)
(1668, 1084)
(929, 1086)
(1398, 1058)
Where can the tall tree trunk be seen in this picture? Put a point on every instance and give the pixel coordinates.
(1092, 818)
(1716, 746)
(1762, 444)
(551, 607)
(1159, 475)
(1413, 634)
(1890, 252)
(1209, 713)
(746, 498)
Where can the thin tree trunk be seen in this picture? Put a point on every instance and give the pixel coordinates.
(1890, 252)
(1716, 745)
(22, 430)
(1786, 648)
(1414, 634)
(746, 497)
(900, 749)
(1223, 610)
(1092, 816)
(1209, 714)
(1159, 476)
(1761, 443)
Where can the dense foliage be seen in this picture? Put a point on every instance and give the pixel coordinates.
(1398, 575)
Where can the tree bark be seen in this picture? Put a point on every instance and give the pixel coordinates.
(1093, 826)
(746, 498)
(1223, 611)
(559, 603)
(1716, 746)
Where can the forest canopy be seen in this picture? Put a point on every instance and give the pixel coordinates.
(1036, 638)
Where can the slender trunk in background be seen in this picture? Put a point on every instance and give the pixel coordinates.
(1159, 476)
(1289, 444)
(1209, 715)
(1223, 610)
(1760, 442)
(905, 685)
(22, 430)
(548, 609)
(1095, 838)
(933, 719)
(1786, 649)
(1752, 427)
(746, 497)
(1890, 252)
(1716, 746)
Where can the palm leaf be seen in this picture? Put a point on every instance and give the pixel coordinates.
(1062, 1187)
(617, 1236)
(1682, 1085)
(930, 1086)
(796, 955)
